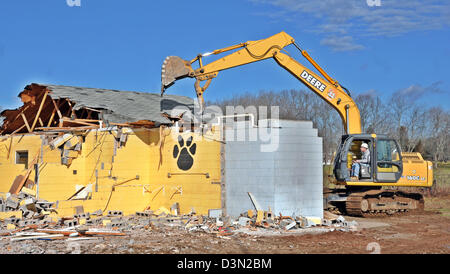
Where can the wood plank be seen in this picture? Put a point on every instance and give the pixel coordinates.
(26, 122)
(88, 120)
(57, 109)
(71, 109)
(39, 111)
(17, 130)
(18, 115)
(66, 128)
(51, 117)
(77, 121)
(91, 109)
(52, 237)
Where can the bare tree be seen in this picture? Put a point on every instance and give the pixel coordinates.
(415, 127)
(439, 142)
(373, 114)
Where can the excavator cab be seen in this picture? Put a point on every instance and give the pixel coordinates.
(385, 159)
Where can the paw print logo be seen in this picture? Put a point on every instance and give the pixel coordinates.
(184, 153)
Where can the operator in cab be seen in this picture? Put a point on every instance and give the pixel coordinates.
(365, 160)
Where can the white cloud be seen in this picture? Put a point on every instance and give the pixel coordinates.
(340, 43)
(355, 19)
(415, 92)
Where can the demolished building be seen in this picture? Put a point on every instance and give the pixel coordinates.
(86, 149)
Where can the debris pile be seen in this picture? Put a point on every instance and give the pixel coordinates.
(22, 209)
(23, 217)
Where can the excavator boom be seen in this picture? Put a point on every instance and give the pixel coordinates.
(174, 68)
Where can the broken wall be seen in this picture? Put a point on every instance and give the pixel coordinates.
(142, 173)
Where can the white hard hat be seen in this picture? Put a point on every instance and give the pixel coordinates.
(365, 145)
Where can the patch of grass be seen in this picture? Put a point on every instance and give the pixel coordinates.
(438, 204)
(441, 185)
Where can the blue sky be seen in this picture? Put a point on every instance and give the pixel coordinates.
(401, 46)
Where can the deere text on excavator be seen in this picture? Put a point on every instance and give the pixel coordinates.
(363, 195)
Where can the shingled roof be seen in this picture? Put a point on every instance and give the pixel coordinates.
(114, 106)
(122, 106)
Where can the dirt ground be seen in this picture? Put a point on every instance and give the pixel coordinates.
(427, 232)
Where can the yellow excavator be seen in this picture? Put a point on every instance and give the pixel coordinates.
(362, 195)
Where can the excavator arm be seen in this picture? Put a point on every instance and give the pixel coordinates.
(174, 68)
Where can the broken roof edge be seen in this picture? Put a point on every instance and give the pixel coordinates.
(113, 106)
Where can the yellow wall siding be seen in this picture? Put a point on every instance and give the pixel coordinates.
(138, 158)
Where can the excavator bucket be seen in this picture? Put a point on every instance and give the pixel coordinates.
(174, 68)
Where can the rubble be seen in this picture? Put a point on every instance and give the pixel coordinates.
(27, 218)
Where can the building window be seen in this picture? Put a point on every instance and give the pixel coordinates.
(22, 158)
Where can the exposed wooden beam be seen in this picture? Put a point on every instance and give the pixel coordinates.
(71, 109)
(91, 109)
(18, 115)
(51, 117)
(26, 122)
(19, 129)
(39, 111)
(77, 121)
(67, 128)
(88, 120)
(57, 109)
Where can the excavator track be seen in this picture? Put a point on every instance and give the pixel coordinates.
(382, 203)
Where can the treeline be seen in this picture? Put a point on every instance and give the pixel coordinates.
(417, 128)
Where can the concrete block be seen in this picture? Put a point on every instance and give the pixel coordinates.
(148, 213)
(340, 219)
(82, 216)
(113, 213)
(214, 213)
(281, 179)
(112, 225)
(44, 205)
(326, 222)
(12, 202)
(71, 223)
(28, 214)
(12, 220)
